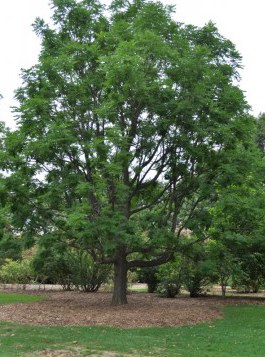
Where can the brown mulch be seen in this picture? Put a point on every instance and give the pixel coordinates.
(142, 310)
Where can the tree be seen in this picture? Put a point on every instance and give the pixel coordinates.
(123, 126)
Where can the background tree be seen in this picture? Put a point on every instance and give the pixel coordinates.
(248, 275)
(11, 243)
(123, 126)
(237, 231)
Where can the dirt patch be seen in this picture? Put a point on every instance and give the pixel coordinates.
(143, 310)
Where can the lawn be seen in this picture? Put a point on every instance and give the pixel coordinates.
(15, 298)
(240, 333)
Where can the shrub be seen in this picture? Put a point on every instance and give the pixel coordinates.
(148, 276)
(197, 274)
(86, 274)
(71, 268)
(15, 272)
(242, 282)
(52, 266)
(248, 275)
(170, 277)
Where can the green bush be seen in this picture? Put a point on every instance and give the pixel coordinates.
(86, 274)
(15, 272)
(195, 282)
(197, 274)
(248, 275)
(52, 266)
(71, 268)
(149, 277)
(242, 282)
(169, 276)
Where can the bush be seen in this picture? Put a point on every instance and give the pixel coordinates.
(149, 277)
(248, 275)
(243, 283)
(169, 276)
(194, 282)
(15, 272)
(51, 265)
(197, 274)
(86, 274)
(71, 268)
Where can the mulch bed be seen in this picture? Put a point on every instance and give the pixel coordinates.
(142, 310)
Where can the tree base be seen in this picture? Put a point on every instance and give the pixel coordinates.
(119, 300)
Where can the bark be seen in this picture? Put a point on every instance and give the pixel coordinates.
(120, 281)
(223, 286)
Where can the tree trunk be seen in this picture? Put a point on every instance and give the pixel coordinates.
(120, 281)
(223, 286)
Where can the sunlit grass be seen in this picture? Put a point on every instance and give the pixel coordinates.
(6, 298)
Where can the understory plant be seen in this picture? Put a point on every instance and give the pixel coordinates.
(198, 271)
(170, 279)
(149, 276)
(16, 272)
(72, 268)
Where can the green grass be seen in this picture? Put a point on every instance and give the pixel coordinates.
(240, 334)
(15, 298)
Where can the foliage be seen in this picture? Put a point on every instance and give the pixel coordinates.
(170, 279)
(16, 272)
(237, 232)
(11, 243)
(260, 138)
(10, 248)
(249, 273)
(86, 274)
(149, 276)
(195, 279)
(50, 265)
(198, 270)
(71, 268)
(223, 262)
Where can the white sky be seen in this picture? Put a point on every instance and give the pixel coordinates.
(241, 21)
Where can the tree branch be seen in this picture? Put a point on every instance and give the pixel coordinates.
(151, 263)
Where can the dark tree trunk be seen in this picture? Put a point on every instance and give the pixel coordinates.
(223, 286)
(120, 281)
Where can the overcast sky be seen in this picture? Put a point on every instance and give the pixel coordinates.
(241, 21)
